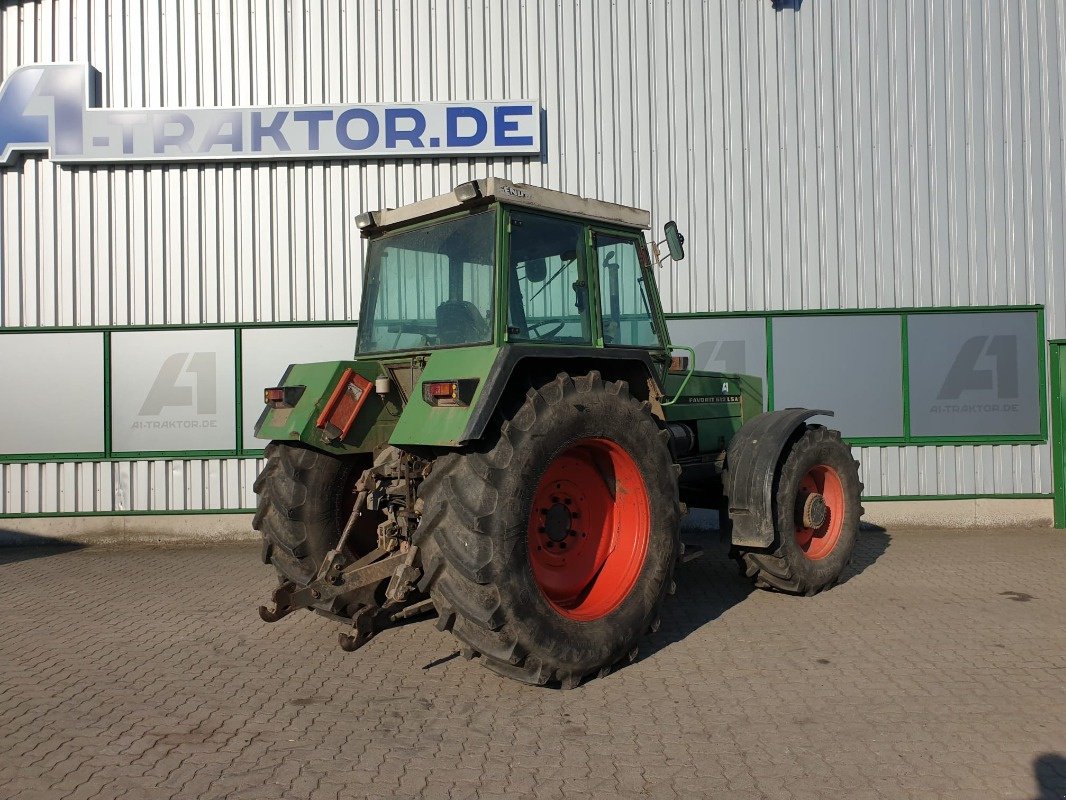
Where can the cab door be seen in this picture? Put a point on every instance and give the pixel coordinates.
(628, 310)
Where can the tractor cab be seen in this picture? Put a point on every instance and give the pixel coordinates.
(463, 291)
(507, 264)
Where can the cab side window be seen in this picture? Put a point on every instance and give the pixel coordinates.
(548, 287)
(627, 318)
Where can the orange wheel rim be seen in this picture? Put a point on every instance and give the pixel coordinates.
(819, 512)
(589, 529)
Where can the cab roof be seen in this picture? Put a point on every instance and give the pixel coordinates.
(487, 190)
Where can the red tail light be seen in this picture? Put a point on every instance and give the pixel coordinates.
(441, 389)
(283, 396)
(450, 393)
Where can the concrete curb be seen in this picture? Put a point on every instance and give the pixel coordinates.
(976, 513)
(172, 529)
(131, 529)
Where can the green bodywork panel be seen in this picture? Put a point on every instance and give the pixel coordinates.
(372, 427)
(380, 420)
(443, 426)
(717, 404)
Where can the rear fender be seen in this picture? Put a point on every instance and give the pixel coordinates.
(317, 383)
(752, 462)
(517, 367)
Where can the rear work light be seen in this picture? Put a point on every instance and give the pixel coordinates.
(343, 406)
(283, 396)
(449, 393)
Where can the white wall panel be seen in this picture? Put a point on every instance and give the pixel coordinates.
(160, 485)
(834, 155)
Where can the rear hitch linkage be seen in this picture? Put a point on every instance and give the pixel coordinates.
(395, 560)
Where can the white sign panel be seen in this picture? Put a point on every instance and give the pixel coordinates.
(53, 107)
(267, 352)
(974, 374)
(732, 345)
(172, 391)
(849, 364)
(55, 402)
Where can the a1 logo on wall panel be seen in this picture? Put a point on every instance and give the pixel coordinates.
(983, 377)
(173, 390)
(974, 373)
(187, 383)
(725, 356)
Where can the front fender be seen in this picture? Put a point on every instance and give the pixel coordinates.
(751, 464)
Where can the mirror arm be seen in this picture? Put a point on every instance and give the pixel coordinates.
(655, 255)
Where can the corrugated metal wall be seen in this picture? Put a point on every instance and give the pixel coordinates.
(828, 155)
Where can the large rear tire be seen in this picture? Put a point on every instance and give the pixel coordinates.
(304, 499)
(548, 549)
(817, 511)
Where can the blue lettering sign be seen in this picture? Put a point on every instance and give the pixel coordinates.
(233, 137)
(459, 113)
(367, 117)
(273, 130)
(505, 126)
(313, 119)
(394, 134)
(53, 108)
(171, 129)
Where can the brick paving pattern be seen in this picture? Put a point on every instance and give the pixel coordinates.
(938, 669)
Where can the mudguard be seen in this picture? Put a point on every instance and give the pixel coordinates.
(751, 462)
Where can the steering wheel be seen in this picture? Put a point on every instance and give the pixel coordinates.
(559, 323)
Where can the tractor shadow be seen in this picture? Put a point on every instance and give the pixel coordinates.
(1049, 770)
(710, 585)
(16, 546)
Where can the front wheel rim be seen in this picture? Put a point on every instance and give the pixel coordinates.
(819, 512)
(589, 529)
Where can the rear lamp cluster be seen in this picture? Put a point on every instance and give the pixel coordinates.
(458, 392)
(283, 396)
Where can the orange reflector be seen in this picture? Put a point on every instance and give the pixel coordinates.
(276, 395)
(343, 405)
(442, 389)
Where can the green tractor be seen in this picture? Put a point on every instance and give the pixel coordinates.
(514, 443)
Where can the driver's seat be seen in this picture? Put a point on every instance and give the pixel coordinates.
(460, 322)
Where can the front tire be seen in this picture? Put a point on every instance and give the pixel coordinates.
(817, 507)
(548, 549)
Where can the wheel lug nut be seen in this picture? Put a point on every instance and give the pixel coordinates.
(562, 545)
(555, 499)
(567, 501)
(571, 533)
(541, 529)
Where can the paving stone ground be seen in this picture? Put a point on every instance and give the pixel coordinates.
(937, 669)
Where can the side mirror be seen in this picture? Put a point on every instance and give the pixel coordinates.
(536, 270)
(674, 241)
